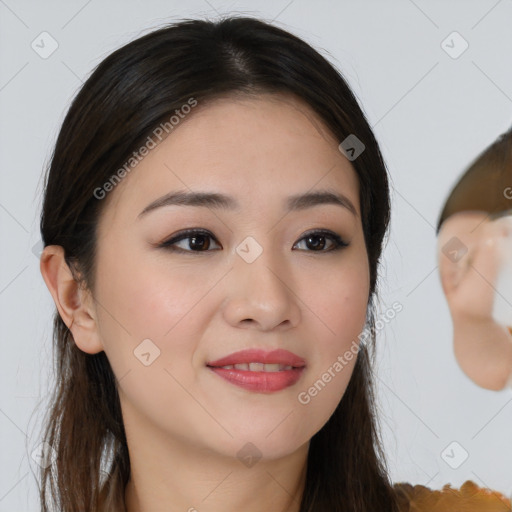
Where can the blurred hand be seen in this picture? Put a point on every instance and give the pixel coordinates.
(470, 251)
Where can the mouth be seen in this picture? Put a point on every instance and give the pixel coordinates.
(256, 367)
(260, 371)
(269, 359)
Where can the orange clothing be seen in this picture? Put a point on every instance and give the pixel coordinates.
(469, 498)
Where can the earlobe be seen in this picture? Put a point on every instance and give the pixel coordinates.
(75, 305)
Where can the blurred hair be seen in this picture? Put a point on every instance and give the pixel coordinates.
(486, 185)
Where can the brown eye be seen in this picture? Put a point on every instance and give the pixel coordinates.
(195, 241)
(199, 241)
(316, 241)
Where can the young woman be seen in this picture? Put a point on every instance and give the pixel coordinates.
(213, 220)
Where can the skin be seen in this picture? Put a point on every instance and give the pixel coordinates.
(184, 423)
(482, 347)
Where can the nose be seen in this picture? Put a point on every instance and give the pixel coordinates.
(261, 290)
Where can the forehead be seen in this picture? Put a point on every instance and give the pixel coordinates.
(266, 147)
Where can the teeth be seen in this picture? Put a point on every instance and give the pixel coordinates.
(258, 367)
(271, 367)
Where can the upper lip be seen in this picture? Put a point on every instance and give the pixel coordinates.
(255, 355)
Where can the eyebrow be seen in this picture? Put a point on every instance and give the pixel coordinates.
(222, 201)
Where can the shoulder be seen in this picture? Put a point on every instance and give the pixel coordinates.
(470, 496)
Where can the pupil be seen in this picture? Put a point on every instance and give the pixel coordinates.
(198, 246)
(316, 237)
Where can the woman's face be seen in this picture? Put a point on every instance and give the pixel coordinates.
(251, 279)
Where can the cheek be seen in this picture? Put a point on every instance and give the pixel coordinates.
(150, 324)
(143, 300)
(340, 301)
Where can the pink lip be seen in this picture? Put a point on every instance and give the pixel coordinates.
(279, 356)
(260, 381)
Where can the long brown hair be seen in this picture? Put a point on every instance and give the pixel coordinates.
(131, 92)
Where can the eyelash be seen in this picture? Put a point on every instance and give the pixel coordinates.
(338, 242)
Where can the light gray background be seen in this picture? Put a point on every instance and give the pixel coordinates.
(432, 115)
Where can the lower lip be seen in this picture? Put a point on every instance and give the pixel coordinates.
(260, 381)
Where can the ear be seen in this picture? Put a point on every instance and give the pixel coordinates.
(75, 305)
(457, 237)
